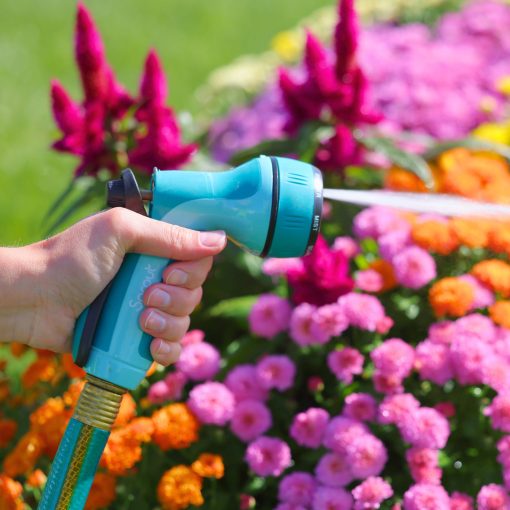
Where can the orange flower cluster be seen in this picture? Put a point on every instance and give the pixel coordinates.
(175, 427)
(385, 269)
(102, 492)
(435, 236)
(7, 430)
(451, 296)
(43, 369)
(500, 313)
(209, 465)
(23, 457)
(10, 494)
(180, 487)
(36, 479)
(494, 274)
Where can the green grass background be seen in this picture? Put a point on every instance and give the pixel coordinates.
(193, 37)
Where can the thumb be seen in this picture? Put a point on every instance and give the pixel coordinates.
(141, 234)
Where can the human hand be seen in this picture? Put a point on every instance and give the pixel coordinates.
(45, 286)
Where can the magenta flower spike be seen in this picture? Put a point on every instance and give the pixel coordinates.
(318, 66)
(346, 39)
(90, 57)
(153, 86)
(66, 112)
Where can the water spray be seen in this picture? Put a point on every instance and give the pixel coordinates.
(268, 206)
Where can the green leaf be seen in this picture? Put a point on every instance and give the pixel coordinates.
(406, 160)
(58, 201)
(235, 308)
(468, 143)
(269, 147)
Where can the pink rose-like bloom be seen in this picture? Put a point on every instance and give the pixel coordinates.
(199, 361)
(499, 412)
(290, 506)
(468, 356)
(360, 406)
(460, 501)
(387, 383)
(504, 451)
(369, 494)
(414, 267)
(175, 382)
(328, 498)
(346, 245)
(396, 408)
(195, 336)
(308, 427)
(243, 383)
(484, 297)
(246, 502)
(369, 280)
(329, 320)
(426, 428)
(212, 403)
(280, 267)
(423, 464)
(376, 221)
(345, 363)
(476, 326)
(447, 409)
(394, 242)
(394, 357)
(496, 373)
(315, 384)
(333, 470)
(492, 497)
(341, 431)
(276, 371)
(302, 329)
(268, 456)
(366, 456)
(269, 316)
(362, 310)
(433, 362)
(250, 420)
(158, 393)
(442, 332)
(297, 488)
(424, 496)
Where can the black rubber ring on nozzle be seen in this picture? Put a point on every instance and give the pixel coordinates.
(274, 207)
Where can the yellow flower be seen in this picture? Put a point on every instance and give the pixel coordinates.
(503, 85)
(288, 45)
(492, 132)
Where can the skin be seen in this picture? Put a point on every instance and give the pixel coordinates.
(45, 286)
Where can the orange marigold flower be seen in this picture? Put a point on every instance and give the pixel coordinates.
(43, 369)
(71, 396)
(22, 459)
(494, 274)
(499, 238)
(500, 313)
(175, 427)
(453, 158)
(451, 296)
(385, 269)
(10, 494)
(18, 349)
(399, 179)
(122, 452)
(102, 492)
(7, 430)
(471, 233)
(180, 487)
(36, 479)
(50, 421)
(4, 390)
(435, 236)
(127, 410)
(141, 428)
(72, 370)
(209, 465)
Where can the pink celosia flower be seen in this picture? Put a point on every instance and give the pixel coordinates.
(175, 382)
(426, 428)
(297, 488)
(302, 329)
(323, 278)
(269, 316)
(433, 362)
(345, 363)
(243, 383)
(371, 493)
(476, 326)
(414, 267)
(423, 464)
(492, 497)
(280, 267)
(212, 403)
(460, 501)
(369, 280)
(424, 496)
(362, 310)
(194, 336)
(360, 406)
(333, 470)
(468, 356)
(442, 332)
(394, 241)
(396, 408)
(308, 427)
(199, 362)
(329, 498)
(329, 320)
(346, 245)
(276, 371)
(268, 456)
(393, 357)
(499, 412)
(366, 456)
(250, 420)
(341, 432)
(484, 297)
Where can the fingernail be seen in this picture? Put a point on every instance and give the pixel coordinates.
(158, 298)
(155, 321)
(163, 348)
(177, 277)
(213, 239)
